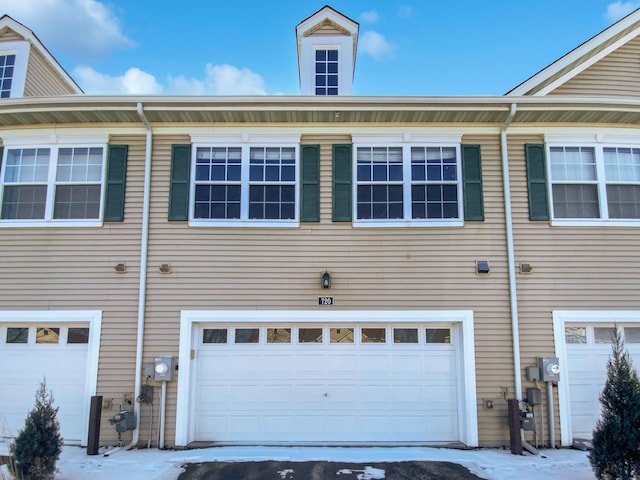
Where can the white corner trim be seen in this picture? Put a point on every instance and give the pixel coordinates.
(94, 319)
(560, 319)
(189, 320)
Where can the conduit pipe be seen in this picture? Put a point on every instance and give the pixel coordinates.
(142, 288)
(510, 252)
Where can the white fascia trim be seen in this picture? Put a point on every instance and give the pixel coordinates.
(190, 318)
(80, 136)
(560, 319)
(21, 50)
(577, 53)
(94, 319)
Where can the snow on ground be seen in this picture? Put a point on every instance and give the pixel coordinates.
(152, 464)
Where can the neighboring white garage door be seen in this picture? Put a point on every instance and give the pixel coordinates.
(588, 350)
(30, 353)
(326, 383)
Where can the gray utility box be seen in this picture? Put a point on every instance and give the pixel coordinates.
(549, 369)
(164, 368)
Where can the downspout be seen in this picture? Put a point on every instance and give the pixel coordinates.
(510, 253)
(142, 289)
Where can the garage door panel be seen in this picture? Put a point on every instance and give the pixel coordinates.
(325, 392)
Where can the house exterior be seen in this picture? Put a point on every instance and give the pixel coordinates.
(321, 268)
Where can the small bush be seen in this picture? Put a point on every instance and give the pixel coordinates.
(616, 436)
(38, 446)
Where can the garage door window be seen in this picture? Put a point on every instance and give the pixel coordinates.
(47, 335)
(341, 335)
(17, 335)
(374, 335)
(278, 335)
(214, 335)
(405, 335)
(575, 334)
(247, 335)
(78, 335)
(604, 334)
(632, 334)
(310, 335)
(438, 335)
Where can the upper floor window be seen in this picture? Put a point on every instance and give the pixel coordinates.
(408, 183)
(52, 183)
(326, 80)
(595, 182)
(7, 67)
(238, 183)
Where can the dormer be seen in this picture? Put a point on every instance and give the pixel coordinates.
(327, 42)
(27, 69)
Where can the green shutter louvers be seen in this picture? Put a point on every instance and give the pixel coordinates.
(115, 183)
(342, 173)
(310, 188)
(536, 182)
(472, 183)
(179, 182)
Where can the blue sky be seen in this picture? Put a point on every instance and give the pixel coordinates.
(406, 47)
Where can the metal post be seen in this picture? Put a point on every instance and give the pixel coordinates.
(515, 436)
(95, 415)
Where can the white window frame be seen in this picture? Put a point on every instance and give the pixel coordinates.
(245, 143)
(21, 51)
(326, 74)
(54, 146)
(406, 143)
(600, 182)
(308, 63)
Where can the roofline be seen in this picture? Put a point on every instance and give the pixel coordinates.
(33, 39)
(552, 69)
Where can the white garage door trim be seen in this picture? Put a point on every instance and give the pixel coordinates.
(63, 317)
(464, 318)
(560, 319)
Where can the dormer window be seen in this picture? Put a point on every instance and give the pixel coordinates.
(327, 72)
(13, 68)
(7, 65)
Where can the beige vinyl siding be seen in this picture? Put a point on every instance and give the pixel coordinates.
(574, 268)
(42, 79)
(372, 268)
(10, 36)
(615, 75)
(72, 269)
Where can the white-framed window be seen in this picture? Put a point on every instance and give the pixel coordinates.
(52, 184)
(327, 67)
(253, 184)
(408, 184)
(595, 182)
(7, 69)
(13, 68)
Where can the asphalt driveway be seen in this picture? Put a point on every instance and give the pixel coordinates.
(322, 470)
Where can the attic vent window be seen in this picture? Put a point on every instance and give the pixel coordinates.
(326, 72)
(7, 64)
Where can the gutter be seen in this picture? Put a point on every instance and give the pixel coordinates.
(510, 253)
(142, 289)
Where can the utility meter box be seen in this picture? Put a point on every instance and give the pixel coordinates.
(164, 368)
(549, 369)
(527, 421)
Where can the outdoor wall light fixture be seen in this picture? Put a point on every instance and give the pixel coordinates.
(120, 268)
(525, 268)
(165, 268)
(482, 266)
(325, 280)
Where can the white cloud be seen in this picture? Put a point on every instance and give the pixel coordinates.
(405, 11)
(619, 9)
(133, 82)
(370, 16)
(374, 44)
(87, 29)
(219, 80)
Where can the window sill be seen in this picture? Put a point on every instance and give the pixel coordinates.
(49, 223)
(245, 223)
(594, 222)
(407, 223)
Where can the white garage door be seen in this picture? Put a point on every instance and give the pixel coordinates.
(30, 353)
(332, 384)
(588, 350)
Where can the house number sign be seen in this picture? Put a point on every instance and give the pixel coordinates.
(325, 300)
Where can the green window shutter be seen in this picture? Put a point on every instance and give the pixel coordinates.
(472, 183)
(116, 183)
(310, 197)
(536, 182)
(179, 182)
(342, 172)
